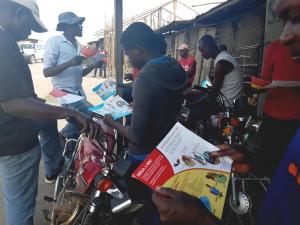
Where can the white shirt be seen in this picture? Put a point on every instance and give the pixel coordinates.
(59, 50)
(232, 87)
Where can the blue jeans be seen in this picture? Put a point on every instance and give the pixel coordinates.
(50, 146)
(19, 174)
(70, 130)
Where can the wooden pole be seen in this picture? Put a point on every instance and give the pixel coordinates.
(118, 50)
(119, 59)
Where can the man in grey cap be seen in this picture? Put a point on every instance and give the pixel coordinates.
(62, 62)
(20, 113)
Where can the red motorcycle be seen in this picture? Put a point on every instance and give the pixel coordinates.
(91, 188)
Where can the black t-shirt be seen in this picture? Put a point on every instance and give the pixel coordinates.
(17, 135)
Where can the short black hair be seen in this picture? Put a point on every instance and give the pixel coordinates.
(161, 44)
(140, 34)
(208, 40)
(223, 47)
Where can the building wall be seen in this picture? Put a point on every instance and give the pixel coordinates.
(243, 30)
(240, 33)
(244, 36)
(273, 25)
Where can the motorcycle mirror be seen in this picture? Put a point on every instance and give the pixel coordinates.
(122, 167)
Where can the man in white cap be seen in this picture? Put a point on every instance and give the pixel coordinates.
(188, 62)
(20, 113)
(62, 62)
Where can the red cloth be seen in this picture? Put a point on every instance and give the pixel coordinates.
(135, 73)
(104, 52)
(281, 103)
(186, 64)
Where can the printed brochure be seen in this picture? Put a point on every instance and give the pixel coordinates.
(182, 161)
(91, 56)
(57, 97)
(106, 89)
(259, 83)
(115, 106)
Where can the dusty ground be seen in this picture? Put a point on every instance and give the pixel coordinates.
(43, 87)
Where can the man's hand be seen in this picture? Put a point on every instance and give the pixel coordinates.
(180, 208)
(240, 158)
(87, 125)
(109, 120)
(193, 92)
(76, 60)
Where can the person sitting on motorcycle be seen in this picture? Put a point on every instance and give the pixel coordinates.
(226, 80)
(157, 97)
(227, 75)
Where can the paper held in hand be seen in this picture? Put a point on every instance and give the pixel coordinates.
(57, 97)
(91, 56)
(259, 83)
(106, 89)
(182, 161)
(115, 106)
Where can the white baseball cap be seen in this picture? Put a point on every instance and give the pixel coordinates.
(183, 46)
(34, 9)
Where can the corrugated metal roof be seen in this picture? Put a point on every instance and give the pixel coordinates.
(225, 10)
(221, 12)
(175, 26)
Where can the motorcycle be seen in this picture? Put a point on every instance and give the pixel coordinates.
(234, 124)
(91, 189)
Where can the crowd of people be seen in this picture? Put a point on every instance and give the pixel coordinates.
(28, 126)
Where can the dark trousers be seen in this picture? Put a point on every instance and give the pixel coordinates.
(148, 215)
(274, 139)
(102, 68)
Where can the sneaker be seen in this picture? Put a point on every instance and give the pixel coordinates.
(52, 178)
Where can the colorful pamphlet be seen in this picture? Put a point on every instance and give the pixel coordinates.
(106, 89)
(91, 56)
(259, 83)
(115, 106)
(182, 161)
(58, 97)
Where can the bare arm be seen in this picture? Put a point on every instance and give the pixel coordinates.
(33, 109)
(138, 130)
(192, 69)
(221, 69)
(86, 71)
(122, 130)
(55, 70)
